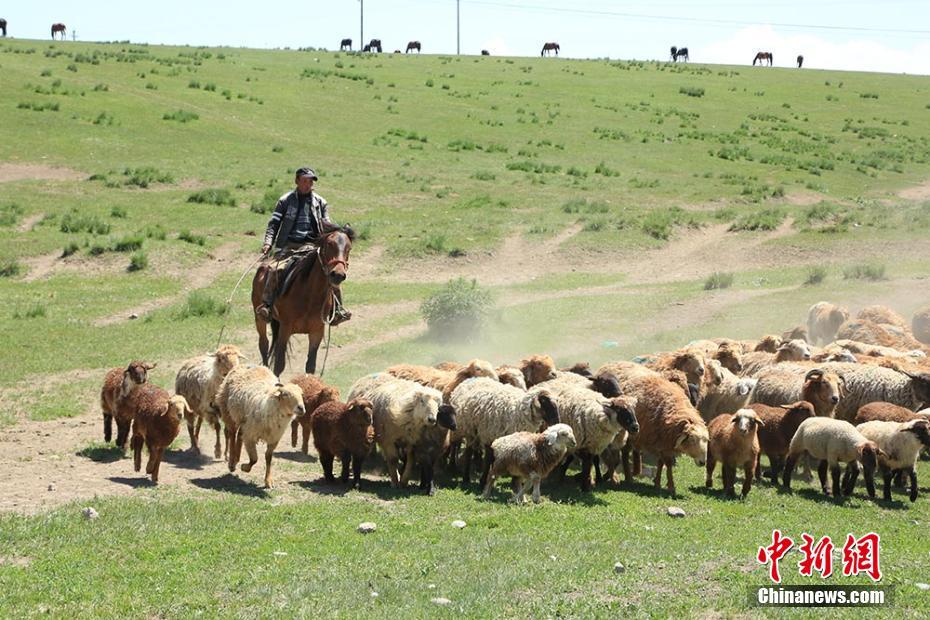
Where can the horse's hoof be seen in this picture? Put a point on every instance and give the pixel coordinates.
(246, 467)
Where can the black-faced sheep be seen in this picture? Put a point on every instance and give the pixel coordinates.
(315, 393)
(779, 425)
(900, 443)
(823, 322)
(156, 423)
(528, 458)
(733, 443)
(427, 452)
(343, 431)
(197, 380)
(256, 407)
(117, 385)
(833, 442)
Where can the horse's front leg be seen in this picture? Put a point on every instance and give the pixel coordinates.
(314, 339)
(280, 351)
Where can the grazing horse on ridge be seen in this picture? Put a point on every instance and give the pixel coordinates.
(58, 29)
(374, 45)
(550, 47)
(413, 45)
(679, 53)
(800, 61)
(345, 45)
(762, 57)
(485, 53)
(3, 25)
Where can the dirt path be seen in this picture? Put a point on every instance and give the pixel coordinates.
(918, 192)
(40, 266)
(30, 222)
(37, 172)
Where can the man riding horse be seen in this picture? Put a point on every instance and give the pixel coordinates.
(300, 218)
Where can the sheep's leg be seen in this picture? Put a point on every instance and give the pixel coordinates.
(232, 440)
(887, 475)
(294, 426)
(565, 465)
(217, 454)
(305, 434)
(657, 481)
(536, 482)
(488, 461)
(835, 477)
(758, 469)
(671, 480)
(489, 485)
(195, 438)
(776, 465)
(729, 480)
(153, 451)
(709, 477)
(852, 474)
(466, 466)
(251, 448)
(107, 427)
(326, 461)
(868, 473)
(448, 457)
(912, 474)
(637, 463)
(269, 452)
(137, 451)
(159, 452)
(585, 472)
(392, 469)
(789, 469)
(408, 468)
(596, 461)
(749, 472)
(346, 464)
(625, 460)
(822, 473)
(122, 434)
(899, 478)
(357, 471)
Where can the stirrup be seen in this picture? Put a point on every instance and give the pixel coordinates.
(340, 316)
(263, 312)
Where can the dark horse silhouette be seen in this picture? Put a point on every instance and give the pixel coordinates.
(485, 53)
(58, 29)
(550, 47)
(413, 45)
(763, 57)
(346, 44)
(800, 61)
(3, 25)
(374, 45)
(305, 300)
(679, 53)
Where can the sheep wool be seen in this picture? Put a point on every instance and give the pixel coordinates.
(529, 457)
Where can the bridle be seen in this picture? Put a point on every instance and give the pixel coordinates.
(329, 265)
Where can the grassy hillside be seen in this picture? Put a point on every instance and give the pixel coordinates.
(592, 198)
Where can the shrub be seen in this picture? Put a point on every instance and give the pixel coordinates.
(436, 243)
(74, 222)
(118, 211)
(35, 311)
(458, 309)
(767, 219)
(9, 214)
(143, 177)
(815, 275)
(155, 231)
(10, 268)
(182, 116)
(482, 175)
(718, 280)
(97, 249)
(869, 271)
(604, 170)
(129, 244)
(218, 197)
(138, 261)
(658, 225)
(267, 202)
(691, 91)
(189, 237)
(200, 304)
(70, 249)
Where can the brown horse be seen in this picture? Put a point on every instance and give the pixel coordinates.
(550, 47)
(3, 25)
(762, 57)
(58, 29)
(306, 301)
(346, 44)
(413, 45)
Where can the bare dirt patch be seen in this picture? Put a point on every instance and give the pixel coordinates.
(918, 192)
(40, 266)
(30, 222)
(37, 172)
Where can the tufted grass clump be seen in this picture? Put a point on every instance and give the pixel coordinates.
(10, 268)
(129, 243)
(457, 310)
(138, 261)
(718, 280)
(865, 271)
(189, 237)
(766, 219)
(200, 304)
(219, 197)
(181, 116)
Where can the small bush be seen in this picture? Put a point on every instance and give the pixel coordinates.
(129, 244)
(870, 271)
(155, 231)
(815, 275)
(143, 177)
(767, 219)
(604, 170)
(70, 249)
(200, 304)
(35, 311)
(74, 222)
(189, 237)
(457, 310)
(118, 211)
(10, 268)
(482, 175)
(691, 91)
(436, 243)
(718, 280)
(97, 249)
(267, 202)
(138, 261)
(9, 214)
(181, 116)
(219, 197)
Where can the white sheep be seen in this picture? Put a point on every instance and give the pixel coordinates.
(486, 410)
(901, 442)
(256, 407)
(528, 458)
(731, 394)
(833, 442)
(401, 411)
(792, 351)
(197, 381)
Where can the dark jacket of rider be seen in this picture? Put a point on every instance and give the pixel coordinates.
(285, 216)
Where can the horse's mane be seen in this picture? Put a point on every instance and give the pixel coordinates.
(303, 268)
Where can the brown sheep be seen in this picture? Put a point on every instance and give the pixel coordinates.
(734, 443)
(778, 427)
(689, 361)
(440, 379)
(474, 368)
(765, 344)
(824, 320)
(581, 368)
(669, 426)
(883, 315)
(885, 412)
(823, 389)
(156, 423)
(730, 356)
(868, 332)
(626, 371)
(343, 430)
(537, 368)
(796, 333)
(117, 385)
(920, 325)
(450, 366)
(315, 393)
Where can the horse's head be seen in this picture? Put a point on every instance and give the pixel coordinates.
(334, 254)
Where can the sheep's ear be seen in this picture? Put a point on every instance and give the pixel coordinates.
(681, 439)
(242, 357)
(148, 366)
(551, 439)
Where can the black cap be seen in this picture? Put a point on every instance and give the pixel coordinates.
(306, 172)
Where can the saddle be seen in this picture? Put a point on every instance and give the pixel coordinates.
(300, 261)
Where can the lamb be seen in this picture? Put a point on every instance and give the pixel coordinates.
(668, 426)
(791, 351)
(734, 443)
(823, 322)
(315, 393)
(197, 380)
(440, 379)
(117, 385)
(402, 410)
(785, 384)
(901, 443)
(156, 423)
(920, 325)
(883, 315)
(833, 442)
(343, 430)
(528, 457)
(778, 427)
(256, 407)
(486, 410)
(595, 421)
(731, 394)
(511, 375)
(689, 361)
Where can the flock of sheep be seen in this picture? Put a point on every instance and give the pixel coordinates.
(840, 391)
